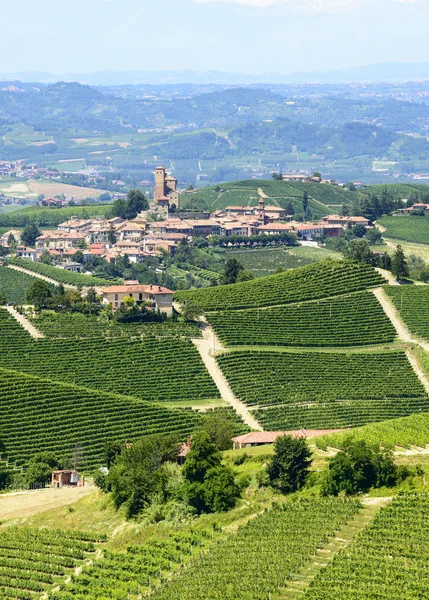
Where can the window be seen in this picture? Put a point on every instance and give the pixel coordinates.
(116, 297)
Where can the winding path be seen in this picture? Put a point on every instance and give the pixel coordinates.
(39, 276)
(207, 346)
(25, 323)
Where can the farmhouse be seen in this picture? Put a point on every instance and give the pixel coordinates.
(24, 252)
(260, 438)
(69, 478)
(160, 298)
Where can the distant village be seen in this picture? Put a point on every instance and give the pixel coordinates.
(141, 237)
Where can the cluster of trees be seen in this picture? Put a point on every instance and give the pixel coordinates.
(131, 206)
(234, 272)
(357, 468)
(146, 479)
(43, 295)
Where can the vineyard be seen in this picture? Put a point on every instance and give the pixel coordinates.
(411, 301)
(61, 275)
(206, 274)
(409, 229)
(259, 559)
(324, 390)
(33, 560)
(312, 282)
(386, 560)
(404, 432)
(150, 369)
(354, 320)
(39, 415)
(77, 325)
(49, 217)
(14, 284)
(135, 572)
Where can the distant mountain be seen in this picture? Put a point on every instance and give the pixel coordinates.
(379, 72)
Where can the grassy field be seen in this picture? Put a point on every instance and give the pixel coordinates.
(32, 189)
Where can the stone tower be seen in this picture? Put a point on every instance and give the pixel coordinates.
(159, 183)
(261, 209)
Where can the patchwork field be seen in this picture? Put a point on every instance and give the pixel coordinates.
(33, 188)
(354, 320)
(328, 278)
(324, 390)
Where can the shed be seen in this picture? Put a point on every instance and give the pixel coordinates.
(67, 478)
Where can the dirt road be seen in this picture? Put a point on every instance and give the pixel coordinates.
(39, 276)
(25, 323)
(25, 504)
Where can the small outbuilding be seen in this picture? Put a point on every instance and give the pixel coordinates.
(260, 438)
(67, 478)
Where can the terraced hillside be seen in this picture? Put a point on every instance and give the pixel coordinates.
(386, 560)
(317, 390)
(352, 320)
(39, 414)
(325, 279)
(79, 326)
(412, 301)
(62, 275)
(14, 284)
(33, 560)
(149, 369)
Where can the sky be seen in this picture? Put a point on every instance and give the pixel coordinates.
(247, 36)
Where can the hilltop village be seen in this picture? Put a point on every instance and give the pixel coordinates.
(160, 229)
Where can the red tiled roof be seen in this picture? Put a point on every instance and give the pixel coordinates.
(269, 437)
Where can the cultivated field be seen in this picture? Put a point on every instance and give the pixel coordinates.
(32, 189)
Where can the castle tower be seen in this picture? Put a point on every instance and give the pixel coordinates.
(159, 183)
(261, 209)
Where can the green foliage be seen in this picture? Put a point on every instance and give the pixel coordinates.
(409, 301)
(221, 492)
(327, 278)
(62, 275)
(30, 234)
(386, 560)
(231, 271)
(354, 320)
(32, 560)
(39, 293)
(129, 208)
(359, 467)
(203, 456)
(14, 284)
(220, 426)
(40, 467)
(137, 477)
(399, 266)
(358, 250)
(289, 467)
(409, 229)
(318, 390)
(50, 218)
(260, 557)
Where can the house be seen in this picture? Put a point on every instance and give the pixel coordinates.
(336, 220)
(358, 221)
(130, 231)
(417, 206)
(75, 225)
(68, 478)
(52, 202)
(260, 438)
(24, 252)
(310, 231)
(60, 240)
(74, 267)
(15, 233)
(160, 298)
(276, 228)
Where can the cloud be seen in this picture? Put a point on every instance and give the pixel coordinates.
(310, 5)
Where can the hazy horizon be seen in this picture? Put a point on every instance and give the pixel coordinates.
(236, 36)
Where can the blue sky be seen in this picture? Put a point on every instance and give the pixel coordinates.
(253, 36)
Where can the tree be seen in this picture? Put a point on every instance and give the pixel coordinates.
(359, 251)
(81, 244)
(344, 210)
(91, 296)
(245, 275)
(46, 258)
(358, 467)
(231, 271)
(136, 477)
(79, 257)
(30, 234)
(40, 468)
(111, 236)
(191, 311)
(220, 427)
(134, 204)
(289, 467)
(399, 266)
(209, 486)
(317, 174)
(11, 242)
(290, 211)
(39, 293)
(305, 202)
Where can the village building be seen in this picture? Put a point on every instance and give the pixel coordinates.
(25, 252)
(60, 240)
(261, 438)
(15, 233)
(52, 203)
(67, 478)
(160, 297)
(166, 194)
